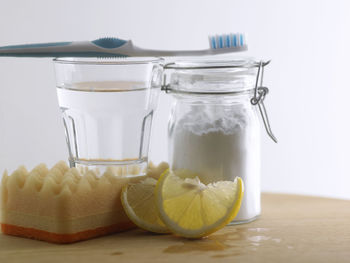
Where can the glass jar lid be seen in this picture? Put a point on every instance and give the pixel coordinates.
(212, 76)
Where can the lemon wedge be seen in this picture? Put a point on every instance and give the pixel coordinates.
(192, 209)
(140, 206)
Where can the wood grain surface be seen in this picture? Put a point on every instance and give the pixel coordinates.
(291, 229)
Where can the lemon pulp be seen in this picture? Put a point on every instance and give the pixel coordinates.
(192, 209)
(140, 206)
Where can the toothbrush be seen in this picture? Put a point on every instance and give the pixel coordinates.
(115, 47)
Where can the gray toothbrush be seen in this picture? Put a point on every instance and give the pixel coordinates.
(115, 47)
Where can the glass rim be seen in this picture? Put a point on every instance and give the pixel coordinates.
(109, 60)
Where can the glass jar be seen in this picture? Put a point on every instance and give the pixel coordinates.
(214, 127)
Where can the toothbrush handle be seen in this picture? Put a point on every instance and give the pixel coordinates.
(96, 48)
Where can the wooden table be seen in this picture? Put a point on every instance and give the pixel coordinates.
(291, 229)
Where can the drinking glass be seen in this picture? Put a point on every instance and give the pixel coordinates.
(107, 107)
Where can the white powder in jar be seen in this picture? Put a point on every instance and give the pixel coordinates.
(220, 143)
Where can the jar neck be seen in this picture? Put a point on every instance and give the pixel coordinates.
(218, 98)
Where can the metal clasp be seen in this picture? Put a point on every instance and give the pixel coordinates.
(259, 95)
(165, 86)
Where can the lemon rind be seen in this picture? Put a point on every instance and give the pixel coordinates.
(155, 228)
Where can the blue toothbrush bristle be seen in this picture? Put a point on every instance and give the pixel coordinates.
(227, 41)
(213, 43)
(221, 44)
(234, 40)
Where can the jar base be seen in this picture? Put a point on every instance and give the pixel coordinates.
(233, 222)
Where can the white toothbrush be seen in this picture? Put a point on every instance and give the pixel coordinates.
(115, 47)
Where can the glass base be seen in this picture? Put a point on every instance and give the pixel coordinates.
(233, 222)
(116, 167)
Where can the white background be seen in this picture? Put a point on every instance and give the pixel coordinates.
(308, 42)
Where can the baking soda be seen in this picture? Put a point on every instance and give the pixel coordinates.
(220, 143)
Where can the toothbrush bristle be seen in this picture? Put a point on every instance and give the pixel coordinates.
(227, 41)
